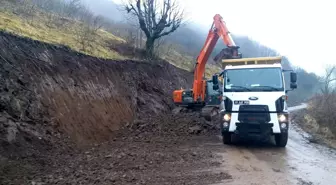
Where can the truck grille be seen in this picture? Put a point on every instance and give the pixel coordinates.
(254, 114)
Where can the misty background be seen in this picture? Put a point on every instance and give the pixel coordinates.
(190, 38)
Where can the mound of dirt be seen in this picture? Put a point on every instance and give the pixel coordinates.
(181, 124)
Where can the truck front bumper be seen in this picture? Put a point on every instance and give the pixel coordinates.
(260, 130)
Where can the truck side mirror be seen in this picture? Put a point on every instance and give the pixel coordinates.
(293, 80)
(293, 85)
(215, 82)
(293, 77)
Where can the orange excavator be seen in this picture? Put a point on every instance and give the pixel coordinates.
(204, 93)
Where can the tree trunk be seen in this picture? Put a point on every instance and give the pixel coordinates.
(141, 37)
(150, 47)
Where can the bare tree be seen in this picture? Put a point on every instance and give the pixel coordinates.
(84, 37)
(328, 80)
(87, 30)
(50, 7)
(131, 38)
(156, 20)
(139, 37)
(72, 7)
(28, 9)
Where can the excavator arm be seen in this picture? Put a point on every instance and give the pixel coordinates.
(218, 29)
(197, 95)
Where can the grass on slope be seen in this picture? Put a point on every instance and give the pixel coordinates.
(188, 63)
(65, 34)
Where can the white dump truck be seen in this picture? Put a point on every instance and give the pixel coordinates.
(254, 99)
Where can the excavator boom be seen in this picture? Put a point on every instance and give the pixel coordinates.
(197, 95)
(198, 85)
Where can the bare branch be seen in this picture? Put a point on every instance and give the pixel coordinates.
(156, 19)
(328, 79)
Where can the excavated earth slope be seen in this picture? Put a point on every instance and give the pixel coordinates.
(70, 118)
(85, 97)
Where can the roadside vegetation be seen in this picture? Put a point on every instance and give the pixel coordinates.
(319, 120)
(323, 105)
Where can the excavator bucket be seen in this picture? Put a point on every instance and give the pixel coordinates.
(247, 61)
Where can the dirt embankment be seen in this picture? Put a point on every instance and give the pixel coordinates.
(85, 97)
(53, 100)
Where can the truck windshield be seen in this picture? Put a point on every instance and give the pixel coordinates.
(253, 79)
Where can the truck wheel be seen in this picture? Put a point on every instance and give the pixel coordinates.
(281, 139)
(227, 139)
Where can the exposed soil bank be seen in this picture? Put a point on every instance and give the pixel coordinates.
(54, 100)
(82, 96)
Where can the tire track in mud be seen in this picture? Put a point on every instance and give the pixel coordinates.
(300, 163)
(246, 168)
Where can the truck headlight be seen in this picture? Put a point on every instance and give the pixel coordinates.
(282, 118)
(227, 117)
(283, 125)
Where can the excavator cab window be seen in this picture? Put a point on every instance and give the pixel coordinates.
(213, 95)
(215, 82)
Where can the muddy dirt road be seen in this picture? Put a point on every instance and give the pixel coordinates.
(300, 162)
(169, 155)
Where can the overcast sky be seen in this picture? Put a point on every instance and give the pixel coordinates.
(304, 31)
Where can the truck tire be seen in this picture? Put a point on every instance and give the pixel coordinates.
(227, 139)
(281, 139)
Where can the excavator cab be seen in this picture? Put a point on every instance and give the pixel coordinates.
(213, 93)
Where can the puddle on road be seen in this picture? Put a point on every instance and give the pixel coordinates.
(263, 163)
(300, 163)
(306, 162)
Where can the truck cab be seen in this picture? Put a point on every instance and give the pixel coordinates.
(254, 101)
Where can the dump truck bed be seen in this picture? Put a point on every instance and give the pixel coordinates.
(251, 61)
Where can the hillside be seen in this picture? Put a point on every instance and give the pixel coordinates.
(117, 39)
(189, 39)
(57, 28)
